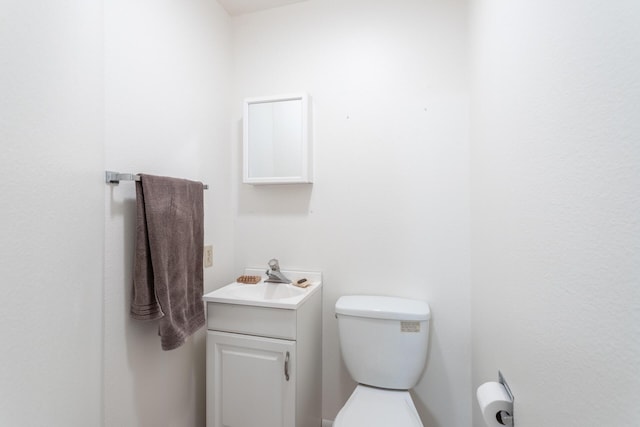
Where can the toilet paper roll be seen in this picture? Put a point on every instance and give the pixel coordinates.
(493, 398)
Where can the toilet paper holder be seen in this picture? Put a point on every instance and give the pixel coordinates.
(495, 400)
(504, 417)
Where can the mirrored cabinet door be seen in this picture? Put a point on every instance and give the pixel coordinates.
(276, 140)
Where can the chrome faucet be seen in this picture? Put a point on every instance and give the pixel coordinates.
(274, 273)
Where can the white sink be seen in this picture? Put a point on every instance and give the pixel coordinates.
(266, 291)
(276, 295)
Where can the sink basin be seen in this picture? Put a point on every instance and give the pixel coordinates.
(266, 291)
(276, 295)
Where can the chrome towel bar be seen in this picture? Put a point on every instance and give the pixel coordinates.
(112, 177)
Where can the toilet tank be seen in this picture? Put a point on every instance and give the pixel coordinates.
(383, 340)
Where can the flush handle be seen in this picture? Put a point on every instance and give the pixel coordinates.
(286, 366)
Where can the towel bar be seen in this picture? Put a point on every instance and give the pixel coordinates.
(115, 178)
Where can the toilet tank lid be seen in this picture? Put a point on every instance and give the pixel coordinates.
(383, 307)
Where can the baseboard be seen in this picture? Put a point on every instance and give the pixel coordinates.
(327, 423)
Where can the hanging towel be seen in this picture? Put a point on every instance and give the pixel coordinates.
(168, 276)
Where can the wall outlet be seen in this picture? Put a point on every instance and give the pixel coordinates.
(208, 256)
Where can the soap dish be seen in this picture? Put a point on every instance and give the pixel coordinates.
(249, 280)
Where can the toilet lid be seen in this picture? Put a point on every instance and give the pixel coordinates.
(374, 407)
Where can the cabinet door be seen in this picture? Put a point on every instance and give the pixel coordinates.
(247, 384)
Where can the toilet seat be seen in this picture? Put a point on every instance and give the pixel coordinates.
(375, 407)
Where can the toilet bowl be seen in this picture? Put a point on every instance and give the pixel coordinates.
(383, 342)
(375, 407)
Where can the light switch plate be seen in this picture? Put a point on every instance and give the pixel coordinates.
(208, 256)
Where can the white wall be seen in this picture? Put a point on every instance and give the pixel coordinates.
(556, 237)
(167, 73)
(553, 169)
(51, 122)
(388, 212)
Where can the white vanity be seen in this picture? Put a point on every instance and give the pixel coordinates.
(264, 353)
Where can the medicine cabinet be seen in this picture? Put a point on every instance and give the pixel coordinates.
(277, 140)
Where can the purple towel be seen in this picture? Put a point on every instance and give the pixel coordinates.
(168, 276)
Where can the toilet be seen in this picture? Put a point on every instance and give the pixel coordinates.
(384, 343)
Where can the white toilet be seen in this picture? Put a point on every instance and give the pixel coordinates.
(384, 344)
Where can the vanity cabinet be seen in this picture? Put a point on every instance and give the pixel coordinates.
(264, 364)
